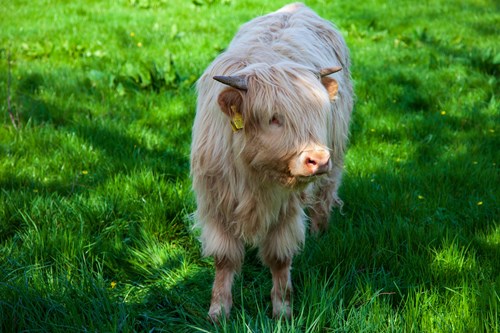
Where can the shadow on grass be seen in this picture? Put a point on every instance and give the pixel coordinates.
(419, 225)
(104, 224)
(85, 299)
(122, 150)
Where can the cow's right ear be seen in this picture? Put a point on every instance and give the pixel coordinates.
(230, 101)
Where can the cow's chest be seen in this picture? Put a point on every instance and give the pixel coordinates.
(259, 214)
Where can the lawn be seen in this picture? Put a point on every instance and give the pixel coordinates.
(97, 103)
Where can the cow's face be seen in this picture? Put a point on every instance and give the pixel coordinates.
(281, 118)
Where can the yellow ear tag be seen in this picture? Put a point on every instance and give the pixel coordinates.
(237, 120)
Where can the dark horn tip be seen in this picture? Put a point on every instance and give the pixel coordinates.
(219, 78)
(237, 82)
(329, 70)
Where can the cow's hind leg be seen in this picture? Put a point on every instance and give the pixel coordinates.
(325, 197)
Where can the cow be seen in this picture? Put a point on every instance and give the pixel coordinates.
(268, 142)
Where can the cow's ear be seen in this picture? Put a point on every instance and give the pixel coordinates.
(230, 101)
(331, 85)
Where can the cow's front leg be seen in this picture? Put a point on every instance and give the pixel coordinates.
(282, 287)
(222, 299)
(228, 253)
(277, 251)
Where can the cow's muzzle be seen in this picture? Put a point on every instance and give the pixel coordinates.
(311, 162)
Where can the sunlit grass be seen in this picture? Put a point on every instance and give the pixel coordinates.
(97, 106)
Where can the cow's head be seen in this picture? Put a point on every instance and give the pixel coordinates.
(282, 120)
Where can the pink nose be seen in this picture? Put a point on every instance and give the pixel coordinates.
(317, 162)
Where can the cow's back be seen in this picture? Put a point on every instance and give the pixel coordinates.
(293, 33)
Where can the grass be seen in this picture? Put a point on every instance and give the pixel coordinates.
(96, 113)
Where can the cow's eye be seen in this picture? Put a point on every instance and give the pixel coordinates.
(276, 120)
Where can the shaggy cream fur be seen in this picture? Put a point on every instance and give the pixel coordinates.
(253, 182)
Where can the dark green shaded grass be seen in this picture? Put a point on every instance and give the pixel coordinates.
(95, 233)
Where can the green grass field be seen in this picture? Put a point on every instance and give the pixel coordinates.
(97, 102)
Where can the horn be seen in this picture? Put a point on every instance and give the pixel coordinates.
(238, 82)
(329, 70)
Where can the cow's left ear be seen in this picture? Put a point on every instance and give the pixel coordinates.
(331, 85)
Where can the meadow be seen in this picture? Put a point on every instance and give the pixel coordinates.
(97, 103)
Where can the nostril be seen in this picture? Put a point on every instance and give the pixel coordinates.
(317, 164)
(311, 161)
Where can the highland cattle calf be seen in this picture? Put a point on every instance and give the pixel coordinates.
(269, 139)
